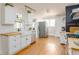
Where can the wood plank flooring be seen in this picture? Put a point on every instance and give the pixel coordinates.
(45, 46)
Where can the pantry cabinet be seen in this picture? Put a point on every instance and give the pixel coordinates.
(8, 14)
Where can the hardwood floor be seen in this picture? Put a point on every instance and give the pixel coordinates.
(45, 46)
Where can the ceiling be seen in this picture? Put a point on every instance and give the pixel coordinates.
(48, 9)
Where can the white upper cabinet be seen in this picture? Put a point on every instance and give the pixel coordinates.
(28, 18)
(8, 14)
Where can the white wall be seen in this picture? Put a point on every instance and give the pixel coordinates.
(51, 31)
(55, 31)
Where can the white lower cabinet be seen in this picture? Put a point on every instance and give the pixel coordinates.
(28, 40)
(12, 44)
(25, 41)
(12, 50)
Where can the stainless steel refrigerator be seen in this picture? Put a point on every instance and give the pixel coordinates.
(43, 30)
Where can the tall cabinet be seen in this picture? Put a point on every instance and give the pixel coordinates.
(27, 28)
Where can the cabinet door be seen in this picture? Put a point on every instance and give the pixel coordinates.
(12, 40)
(25, 17)
(8, 15)
(28, 40)
(23, 42)
(12, 44)
(4, 45)
(18, 42)
(12, 49)
(33, 36)
(30, 19)
(0, 46)
(15, 44)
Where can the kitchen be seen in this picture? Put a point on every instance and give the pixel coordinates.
(22, 24)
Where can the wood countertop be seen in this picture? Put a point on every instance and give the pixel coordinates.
(72, 39)
(11, 34)
(67, 32)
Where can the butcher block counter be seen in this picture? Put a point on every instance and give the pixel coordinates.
(11, 34)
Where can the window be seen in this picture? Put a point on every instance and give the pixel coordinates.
(47, 22)
(50, 22)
